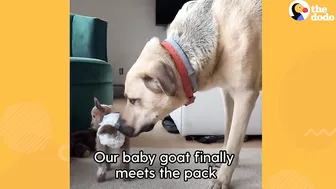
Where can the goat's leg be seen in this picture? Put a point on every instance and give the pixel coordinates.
(125, 148)
(102, 167)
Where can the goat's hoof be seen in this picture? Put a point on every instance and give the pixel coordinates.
(127, 179)
(101, 178)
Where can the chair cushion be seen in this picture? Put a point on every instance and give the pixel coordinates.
(89, 71)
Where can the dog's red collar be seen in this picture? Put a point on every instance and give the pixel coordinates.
(180, 63)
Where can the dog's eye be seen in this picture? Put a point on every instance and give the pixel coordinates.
(132, 100)
(93, 116)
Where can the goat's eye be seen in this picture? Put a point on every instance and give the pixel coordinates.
(132, 100)
(93, 116)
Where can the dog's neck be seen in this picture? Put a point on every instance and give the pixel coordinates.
(197, 34)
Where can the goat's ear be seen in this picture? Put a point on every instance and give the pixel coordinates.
(161, 79)
(98, 105)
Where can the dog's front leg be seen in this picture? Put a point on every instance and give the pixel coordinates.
(244, 103)
(228, 110)
(229, 105)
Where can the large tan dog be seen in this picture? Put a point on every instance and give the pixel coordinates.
(221, 40)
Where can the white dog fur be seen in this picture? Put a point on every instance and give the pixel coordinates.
(222, 39)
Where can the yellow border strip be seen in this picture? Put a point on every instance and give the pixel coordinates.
(299, 98)
(34, 108)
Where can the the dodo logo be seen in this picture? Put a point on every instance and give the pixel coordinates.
(300, 10)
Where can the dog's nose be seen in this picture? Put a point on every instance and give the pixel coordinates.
(127, 131)
(123, 128)
(147, 128)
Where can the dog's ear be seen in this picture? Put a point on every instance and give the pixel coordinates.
(98, 105)
(160, 79)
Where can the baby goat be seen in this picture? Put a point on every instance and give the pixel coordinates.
(109, 136)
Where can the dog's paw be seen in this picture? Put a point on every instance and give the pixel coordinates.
(222, 181)
(215, 184)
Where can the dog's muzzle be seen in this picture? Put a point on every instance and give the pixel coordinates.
(129, 131)
(123, 128)
(147, 128)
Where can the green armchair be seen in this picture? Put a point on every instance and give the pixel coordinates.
(90, 72)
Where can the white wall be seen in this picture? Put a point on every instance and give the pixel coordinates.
(131, 23)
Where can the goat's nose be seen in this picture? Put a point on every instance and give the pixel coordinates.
(119, 123)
